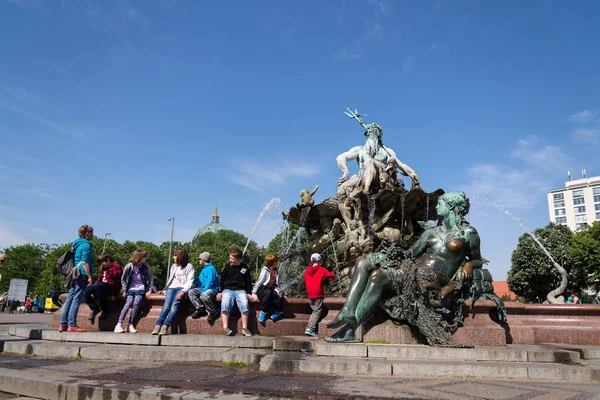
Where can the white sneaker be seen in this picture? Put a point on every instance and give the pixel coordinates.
(119, 329)
(131, 329)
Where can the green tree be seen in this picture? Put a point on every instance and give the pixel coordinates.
(532, 274)
(220, 243)
(50, 279)
(586, 251)
(23, 262)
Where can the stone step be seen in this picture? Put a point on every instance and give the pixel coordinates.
(137, 353)
(516, 353)
(421, 352)
(587, 352)
(421, 368)
(294, 343)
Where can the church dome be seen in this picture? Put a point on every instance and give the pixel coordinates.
(214, 226)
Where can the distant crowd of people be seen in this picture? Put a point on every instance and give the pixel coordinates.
(135, 283)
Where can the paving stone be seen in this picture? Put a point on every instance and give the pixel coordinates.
(486, 391)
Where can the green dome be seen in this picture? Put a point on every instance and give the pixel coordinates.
(214, 226)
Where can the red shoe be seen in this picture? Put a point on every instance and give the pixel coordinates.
(76, 329)
(62, 328)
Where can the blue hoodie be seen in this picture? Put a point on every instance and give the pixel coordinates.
(208, 279)
(83, 252)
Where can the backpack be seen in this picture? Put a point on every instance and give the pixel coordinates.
(65, 263)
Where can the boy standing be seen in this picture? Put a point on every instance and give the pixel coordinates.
(313, 278)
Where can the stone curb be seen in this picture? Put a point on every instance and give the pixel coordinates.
(548, 354)
(144, 339)
(52, 387)
(420, 352)
(430, 368)
(138, 353)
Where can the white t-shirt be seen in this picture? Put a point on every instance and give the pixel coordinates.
(180, 278)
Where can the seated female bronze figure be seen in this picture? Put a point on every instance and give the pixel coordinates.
(435, 257)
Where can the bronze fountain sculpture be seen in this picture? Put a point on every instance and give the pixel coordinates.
(388, 262)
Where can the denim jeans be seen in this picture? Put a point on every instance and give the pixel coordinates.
(68, 315)
(98, 291)
(169, 308)
(134, 298)
(229, 296)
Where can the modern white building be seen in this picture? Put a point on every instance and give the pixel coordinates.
(577, 204)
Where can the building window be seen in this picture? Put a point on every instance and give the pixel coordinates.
(578, 200)
(596, 207)
(577, 193)
(560, 203)
(596, 190)
(581, 218)
(560, 211)
(581, 226)
(562, 220)
(597, 199)
(560, 196)
(579, 209)
(598, 215)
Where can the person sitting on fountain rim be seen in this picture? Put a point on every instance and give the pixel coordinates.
(267, 289)
(203, 295)
(313, 278)
(574, 297)
(236, 286)
(107, 284)
(181, 279)
(136, 283)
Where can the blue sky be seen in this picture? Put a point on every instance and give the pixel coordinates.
(120, 114)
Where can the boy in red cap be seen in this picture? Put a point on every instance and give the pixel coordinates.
(313, 278)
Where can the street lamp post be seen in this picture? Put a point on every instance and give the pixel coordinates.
(172, 219)
(106, 235)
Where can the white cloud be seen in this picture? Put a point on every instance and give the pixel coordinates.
(34, 4)
(348, 54)
(381, 6)
(26, 174)
(375, 30)
(22, 95)
(115, 16)
(519, 187)
(10, 238)
(255, 176)
(583, 117)
(16, 156)
(42, 121)
(409, 64)
(587, 135)
(39, 231)
(539, 157)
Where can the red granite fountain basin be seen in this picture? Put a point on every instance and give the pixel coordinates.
(527, 323)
